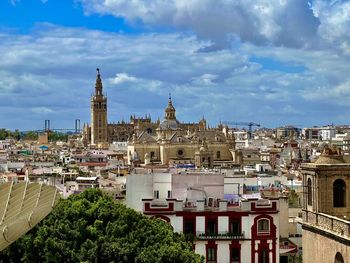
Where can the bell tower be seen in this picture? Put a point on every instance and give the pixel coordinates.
(98, 113)
(326, 208)
(170, 110)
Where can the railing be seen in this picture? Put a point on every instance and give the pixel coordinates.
(327, 223)
(219, 235)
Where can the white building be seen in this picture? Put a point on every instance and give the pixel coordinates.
(209, 208)
(319, 133)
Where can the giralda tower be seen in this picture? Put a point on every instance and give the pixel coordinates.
(98, 114)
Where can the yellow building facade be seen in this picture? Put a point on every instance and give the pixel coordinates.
(176, 143)
(326, 209)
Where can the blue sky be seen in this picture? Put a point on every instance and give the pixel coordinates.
(267, 61)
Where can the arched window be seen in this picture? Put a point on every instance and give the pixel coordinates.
(338, 258)
(339, 193)
(309, 192)
(263, 226)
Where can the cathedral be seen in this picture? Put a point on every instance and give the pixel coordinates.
(175, 143)
(166, 141)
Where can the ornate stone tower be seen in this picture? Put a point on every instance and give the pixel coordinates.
(98, 114)
(170, 110)
(326, 208)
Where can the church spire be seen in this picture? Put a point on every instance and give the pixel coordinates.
(98, 85)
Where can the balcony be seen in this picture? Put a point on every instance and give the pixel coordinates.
(327, 223)
(221, 235)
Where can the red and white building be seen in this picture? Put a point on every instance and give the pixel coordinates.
(225, 228)
(248, 232)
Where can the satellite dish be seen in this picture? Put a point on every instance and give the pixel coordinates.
(22, 206)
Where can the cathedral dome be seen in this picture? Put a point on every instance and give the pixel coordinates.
(169, 124)
(329, 160)
(330, 155)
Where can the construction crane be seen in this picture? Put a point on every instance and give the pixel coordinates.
(249, 124)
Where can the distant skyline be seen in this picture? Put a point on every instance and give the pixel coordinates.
(274, 62)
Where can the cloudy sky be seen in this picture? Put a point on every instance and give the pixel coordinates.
(274, 62)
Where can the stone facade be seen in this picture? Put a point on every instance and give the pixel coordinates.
(98, 130)
(318, 248)
(176, 143)
(326, 209)
(99, 133)
(163, 142)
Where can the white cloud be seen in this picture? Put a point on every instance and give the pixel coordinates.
(42, 110)
(284, 22)
(339, 94)
(54, 68)
(121, 78)
(205, 79)
(288, 109)
(334, 22)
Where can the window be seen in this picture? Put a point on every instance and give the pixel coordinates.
(218, 155)
(235, 226)
(339, 193)
(263, 226)
(309, 192)
(152, 155)
(338, 258)
(211, 254)
(189, 226)
(211, 226)
(235, 255)
(156, 194)
(264, 256)
(180, 152)
(169, 194)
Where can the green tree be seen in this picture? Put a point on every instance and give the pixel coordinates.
(4, 134)
(16, 135)
(293, 199)
(58, 136)
(91, 227)
(30, 135)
